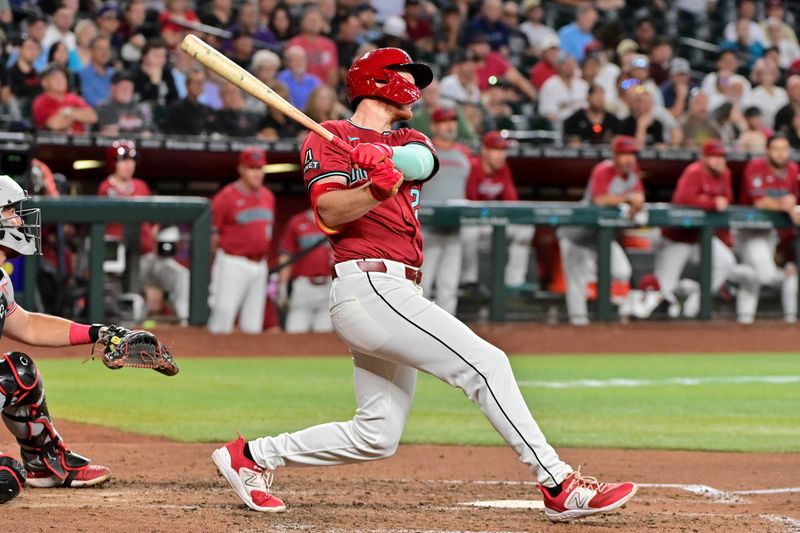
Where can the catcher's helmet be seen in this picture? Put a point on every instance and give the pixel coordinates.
(119, 150)
(20, 234)
(381, 66)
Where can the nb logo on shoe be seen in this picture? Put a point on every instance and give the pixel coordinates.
(579, 499)
(252, 480)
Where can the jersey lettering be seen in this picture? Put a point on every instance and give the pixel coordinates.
(309, 163)
(356, 175)
(415, 202)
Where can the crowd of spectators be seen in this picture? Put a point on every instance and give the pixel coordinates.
(582, 70)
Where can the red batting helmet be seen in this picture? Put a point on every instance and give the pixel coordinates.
(119, 150)
(381, 66)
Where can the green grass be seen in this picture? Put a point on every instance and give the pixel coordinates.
(211, 399)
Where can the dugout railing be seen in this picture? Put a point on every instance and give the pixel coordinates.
(132, 212)
(607, 220)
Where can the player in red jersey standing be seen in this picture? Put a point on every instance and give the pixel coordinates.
(242, 214)
(490, 181)
(705, 184)
(770, 183)
(309, 275)
(367, 203)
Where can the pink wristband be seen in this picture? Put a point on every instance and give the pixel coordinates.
(79, 334)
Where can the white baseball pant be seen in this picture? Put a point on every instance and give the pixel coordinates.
(757, 249)
(673, 256)
(393, 331)
(580, 268)
(308, 307)
(442, 267)
(519, 251)
(238, 287)
(170, 276)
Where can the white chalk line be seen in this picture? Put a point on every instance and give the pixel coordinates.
(792, 524)
(676, 381)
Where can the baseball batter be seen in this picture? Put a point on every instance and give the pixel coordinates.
(612, 182)
(46, 460)
(367, 204)
(705, 184)
(443, 245)
(242, 215)
(490, 181)
(309, 275)
(770, 183)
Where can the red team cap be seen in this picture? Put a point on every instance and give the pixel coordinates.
(624, 144)
(382, 65)
(494, 140)
(714, 147)
(443, 114)
(119, 150)
(253, 157)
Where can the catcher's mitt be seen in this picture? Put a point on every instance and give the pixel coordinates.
(135, 349)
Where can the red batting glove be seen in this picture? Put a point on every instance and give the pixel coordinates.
(370, 155)
(384, 181)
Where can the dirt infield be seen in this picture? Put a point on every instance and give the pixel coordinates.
(161, 485)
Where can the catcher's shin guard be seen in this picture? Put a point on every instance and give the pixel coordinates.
(26, 417)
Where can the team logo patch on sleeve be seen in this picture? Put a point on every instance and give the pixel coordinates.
(309, 163)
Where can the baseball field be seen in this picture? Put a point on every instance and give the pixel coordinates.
(705, 417)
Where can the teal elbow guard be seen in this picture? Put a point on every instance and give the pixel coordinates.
(414, 160)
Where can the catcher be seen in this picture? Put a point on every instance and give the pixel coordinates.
(46, 459)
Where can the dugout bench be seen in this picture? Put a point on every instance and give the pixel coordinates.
(99, 211)
(607, 220)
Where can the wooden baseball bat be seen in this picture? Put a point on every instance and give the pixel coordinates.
(214, 60)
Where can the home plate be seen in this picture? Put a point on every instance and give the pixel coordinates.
(508, 504)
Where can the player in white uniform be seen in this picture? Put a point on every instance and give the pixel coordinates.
(613, 182)
(770, 183)
(366, 204)
(443, 245)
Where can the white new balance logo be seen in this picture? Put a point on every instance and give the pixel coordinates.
(252, 479)
(579, 499)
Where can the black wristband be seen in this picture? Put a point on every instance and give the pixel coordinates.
(94, 332)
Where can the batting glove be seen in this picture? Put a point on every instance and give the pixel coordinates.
(384, 181)
(370, 155)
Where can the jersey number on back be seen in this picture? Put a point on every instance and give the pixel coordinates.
(415, 202)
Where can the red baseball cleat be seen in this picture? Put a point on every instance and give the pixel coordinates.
(85, 477)
(250, 481)
(583, 496)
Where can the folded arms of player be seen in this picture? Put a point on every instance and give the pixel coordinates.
(786, 203)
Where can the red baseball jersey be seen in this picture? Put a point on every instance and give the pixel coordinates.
(607, 180)
(45, 106)
(390, 230)
(760, 179)
(302, 233)
(697, 187)
(244, 220)
(496, 186)
(135, 187)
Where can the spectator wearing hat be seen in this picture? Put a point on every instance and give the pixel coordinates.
(431, 101)
(443, 245)
(323, 58)
(546, 66)
(460, 87)
(562, 94)
(490, 180)
(766, 96)
(575, 36)
(774, 10)
(592, 125)
(107, 19)
(492, 66)
(95, 78)
(296, 76)
(57, 109)
(233, 120)
(243, 217)
(121, 114)
(418, 28)
(613, 182)
(675, 91)
(22, 81)
(489, 23)
(696, 125)
(538, 33)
